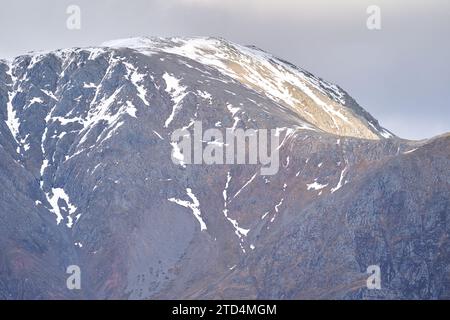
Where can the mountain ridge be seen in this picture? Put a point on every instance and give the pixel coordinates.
(86, 161)
(171, 45)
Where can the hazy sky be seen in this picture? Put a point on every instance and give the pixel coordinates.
(400, 74)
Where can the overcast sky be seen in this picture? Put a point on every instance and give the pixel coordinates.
(400, 74)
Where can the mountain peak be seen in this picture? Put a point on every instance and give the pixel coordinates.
(321, 103)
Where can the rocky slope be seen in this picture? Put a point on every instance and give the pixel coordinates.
(85, 147)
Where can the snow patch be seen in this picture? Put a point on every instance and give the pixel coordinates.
(240, 232)
(12, 120)
(341, 179)
(316, 186)
(205, 95)
(177, 155)
(245, 185)
(136, 79)
(177, 93)
(410, 151)
(54, 198)
(194, 205)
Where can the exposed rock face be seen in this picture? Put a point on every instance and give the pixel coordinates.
(88, 180)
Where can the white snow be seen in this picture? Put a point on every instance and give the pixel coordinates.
(64, 121)
(316, 186)
(341, 179)
(233, 111)
(103, 108)
(49, 94)
(12, 121)
(44, 166)
(277, 209)
(34, 60)
(33, 101)
(262, 72)
(95, 53)
(289, 133)
(177, 93)
(130, 109)
(288, 159)
(144, 44)
(384, 133)
(96, 167)
(277, 206)
(89, 85)
(101, 112)
(240, 232)
(53, 198)
(194, 206)
(136, 79)
(205, 95)
(225, 191)
(245, 185)
(230, 92)
(158, 135)
(177, 155)
(410, 151)
(255, 65)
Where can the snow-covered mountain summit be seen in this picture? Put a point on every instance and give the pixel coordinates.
(319, 102)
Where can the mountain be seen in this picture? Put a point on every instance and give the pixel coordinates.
(86, 164)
